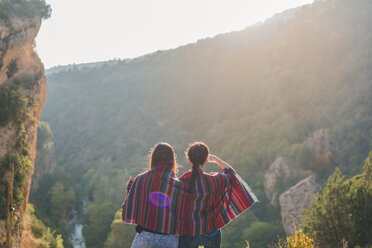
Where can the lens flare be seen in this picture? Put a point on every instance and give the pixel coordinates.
(159, 200)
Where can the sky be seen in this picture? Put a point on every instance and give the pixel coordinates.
(82, 31)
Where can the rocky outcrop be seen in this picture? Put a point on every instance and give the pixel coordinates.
(321, 145)
(283, 173)
(295, 200)
(280, 176)
(23, 89)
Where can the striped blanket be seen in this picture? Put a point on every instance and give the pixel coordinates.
(157, 200)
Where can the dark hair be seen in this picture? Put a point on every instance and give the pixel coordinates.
(163, 153)
(197, 153)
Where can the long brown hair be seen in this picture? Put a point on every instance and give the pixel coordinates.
(163, 153)
(197, 153)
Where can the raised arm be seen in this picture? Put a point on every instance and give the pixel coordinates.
(222, 164)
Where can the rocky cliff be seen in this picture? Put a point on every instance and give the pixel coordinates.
(295, 200)
(22, 95)
(280, 176)
(294, 186)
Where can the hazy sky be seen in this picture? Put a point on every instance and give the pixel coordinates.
(81, 31)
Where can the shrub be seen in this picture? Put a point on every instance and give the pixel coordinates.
(37, 228)
(21, 167)
(298, 240)
(13, 106)
(46, 237)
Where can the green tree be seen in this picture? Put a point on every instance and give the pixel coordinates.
(44, 134)
(342, 211)
(61, 202)
(98, 220)
(121, 235)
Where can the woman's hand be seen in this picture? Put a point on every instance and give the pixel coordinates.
(222, 164)
(212, 158)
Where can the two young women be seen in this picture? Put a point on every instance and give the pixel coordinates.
(186, 212)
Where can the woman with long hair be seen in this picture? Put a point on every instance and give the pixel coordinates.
(213, 201)
(151, 201)
(195, 207)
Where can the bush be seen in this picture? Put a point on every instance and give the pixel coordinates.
(46, 237)
(21, 167)
(298, 240)
(13, 106)
(37, 228)
(121, 234)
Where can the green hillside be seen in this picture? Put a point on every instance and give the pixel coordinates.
(251, 95)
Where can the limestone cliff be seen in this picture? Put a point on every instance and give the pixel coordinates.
(295, 200)
(22, 95)
(280, 176)
(283, 174)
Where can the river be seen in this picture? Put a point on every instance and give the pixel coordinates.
(76, 230)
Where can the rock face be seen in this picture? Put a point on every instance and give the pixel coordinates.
(295, 200)
(21, 78)
(280, 176)
(321, 145)
(44, 164)
(283, 173)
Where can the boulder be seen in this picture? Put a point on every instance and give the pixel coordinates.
(295, 200)
(280, 176)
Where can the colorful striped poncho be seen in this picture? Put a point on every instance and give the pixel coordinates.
(158, 201)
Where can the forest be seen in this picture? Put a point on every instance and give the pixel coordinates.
(252, 96)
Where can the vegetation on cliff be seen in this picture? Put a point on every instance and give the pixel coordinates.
(24, 9)
(14, 109)
(37, 235)
(13, 106)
